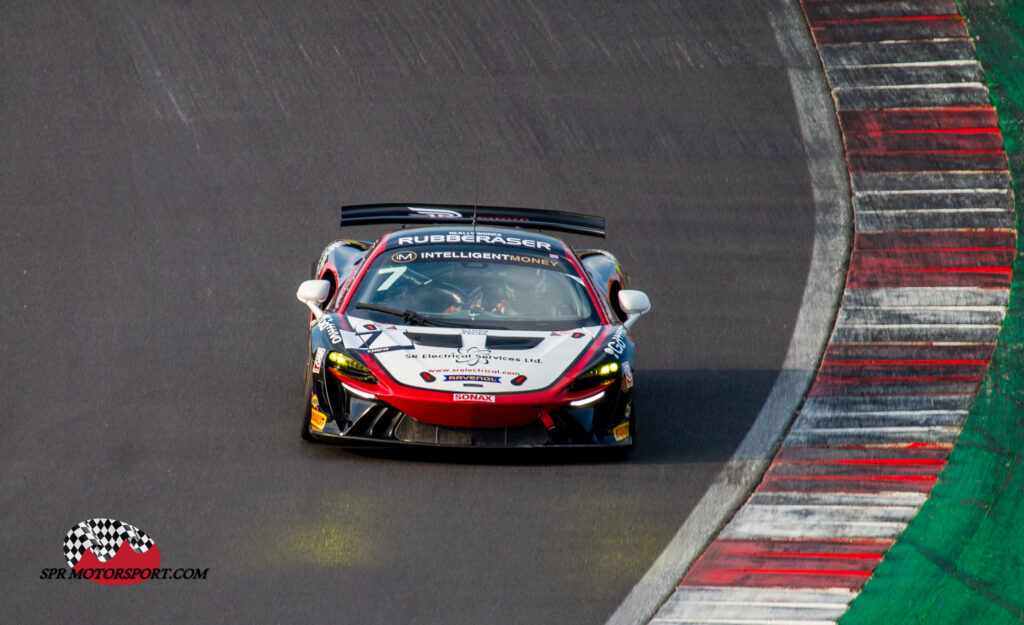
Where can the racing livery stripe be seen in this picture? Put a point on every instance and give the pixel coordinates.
(926, 293)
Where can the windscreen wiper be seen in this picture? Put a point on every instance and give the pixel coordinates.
(410, 317)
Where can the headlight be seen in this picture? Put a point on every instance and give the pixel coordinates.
(350, 367)
(601, 373)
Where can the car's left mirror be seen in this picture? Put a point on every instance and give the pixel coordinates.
(312, 293)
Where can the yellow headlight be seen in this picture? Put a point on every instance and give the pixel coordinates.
(595, 376)
(349, 366)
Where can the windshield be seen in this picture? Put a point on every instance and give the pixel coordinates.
(476, 286)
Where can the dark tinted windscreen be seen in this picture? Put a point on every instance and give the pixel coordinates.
(478, 286)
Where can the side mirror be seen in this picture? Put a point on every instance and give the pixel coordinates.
(634, 304)
(312, 293)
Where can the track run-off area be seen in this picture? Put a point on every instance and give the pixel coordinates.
(927, 289)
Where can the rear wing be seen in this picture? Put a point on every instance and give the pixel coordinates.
(534, 218)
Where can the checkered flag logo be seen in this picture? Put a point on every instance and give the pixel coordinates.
(104, 538)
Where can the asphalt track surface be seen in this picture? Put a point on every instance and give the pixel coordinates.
(168, 171)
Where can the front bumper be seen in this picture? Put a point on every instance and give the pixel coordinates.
(378, 423)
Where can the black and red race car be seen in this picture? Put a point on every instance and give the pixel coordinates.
(470, 329)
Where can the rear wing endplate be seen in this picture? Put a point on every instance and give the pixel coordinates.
(537, 219)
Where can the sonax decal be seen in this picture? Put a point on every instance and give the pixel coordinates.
(473, 397)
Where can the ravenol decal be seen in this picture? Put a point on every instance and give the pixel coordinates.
(617, 344)
(466, 377)
(475, 237)
(98, 546)
(403, 257)
(436, 213)
(328, 326)
(473, 397)
(318, 360)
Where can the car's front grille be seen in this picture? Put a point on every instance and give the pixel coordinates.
(410, 430)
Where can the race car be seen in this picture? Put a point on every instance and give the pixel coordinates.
(469, 328)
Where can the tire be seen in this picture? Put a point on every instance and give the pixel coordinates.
(632, 421)
(308, 403)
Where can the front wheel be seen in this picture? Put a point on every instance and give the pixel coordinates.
(308, 403)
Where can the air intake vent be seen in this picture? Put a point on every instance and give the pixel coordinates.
(513, 342)
(410, 430)
(435, 340)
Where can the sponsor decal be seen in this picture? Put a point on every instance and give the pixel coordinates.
(474, 370)
(472, 331)
(621, 431)
(317, 420)
(325, 254)
(492, 238)
(627, 376)
(378, 340)
(629, 410)
(473, 356)
(332, 331)
(435, 213)
(471, 377)
(521, 259)
(617, 344)
(473, 397)
(404, 257)
(318, 360)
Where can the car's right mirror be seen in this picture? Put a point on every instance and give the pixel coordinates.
(634, 304)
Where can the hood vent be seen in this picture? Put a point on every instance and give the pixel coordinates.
(513, 342)
(453, 341)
